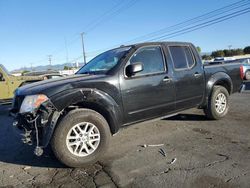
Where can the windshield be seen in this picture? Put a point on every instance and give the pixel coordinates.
(4, 69)
(104, 62)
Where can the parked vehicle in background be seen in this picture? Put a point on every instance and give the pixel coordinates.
(39, 73)
(218, 62)
(246, 71)
(50, 74)
(78, 114)
(244, 60)
(9, 83)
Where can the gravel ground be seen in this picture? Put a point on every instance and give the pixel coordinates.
(207, 154)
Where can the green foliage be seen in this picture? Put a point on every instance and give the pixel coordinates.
(218, 53)
(25, 71)
(206, 57)
(247, 50)
(238, 51)
(227, 52)
(198, 49)
(67, 68)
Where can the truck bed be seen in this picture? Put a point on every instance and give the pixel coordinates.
(231, 69)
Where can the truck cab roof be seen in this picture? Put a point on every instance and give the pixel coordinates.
(158, 43)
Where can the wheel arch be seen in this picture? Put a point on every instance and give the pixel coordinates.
(92, 99)
(113, 123)
(218, 79)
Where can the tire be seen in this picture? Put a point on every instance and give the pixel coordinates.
(63, 146)
(247, 75)
(213, 111)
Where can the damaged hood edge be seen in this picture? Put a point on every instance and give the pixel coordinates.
(53, 86)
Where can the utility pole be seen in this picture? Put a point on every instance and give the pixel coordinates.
(67, 52)
(83, 50)
(49, 56)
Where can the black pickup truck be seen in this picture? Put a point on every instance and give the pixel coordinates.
(78, 114)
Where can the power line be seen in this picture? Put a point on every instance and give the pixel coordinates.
(193, 20)
(204, 24)
(186, 23)
(76, 35)
(190, 24)
(208, 25)
(110, 13)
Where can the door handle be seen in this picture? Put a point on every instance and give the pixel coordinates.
(167, 79)
(197, 75)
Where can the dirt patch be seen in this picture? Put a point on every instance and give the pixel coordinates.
(201, 131)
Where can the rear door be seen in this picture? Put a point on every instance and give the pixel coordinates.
(188, 76)
(149, 93)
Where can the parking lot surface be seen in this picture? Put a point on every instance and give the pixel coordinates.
(198, 153)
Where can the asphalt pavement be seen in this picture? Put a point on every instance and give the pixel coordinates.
(196, 152)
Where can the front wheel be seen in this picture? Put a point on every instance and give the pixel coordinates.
(217, 106)
(80, 138)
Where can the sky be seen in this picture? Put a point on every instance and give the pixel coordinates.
(30, 30)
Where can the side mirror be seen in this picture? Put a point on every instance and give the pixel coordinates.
(134, 68)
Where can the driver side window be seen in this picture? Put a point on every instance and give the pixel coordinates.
(152, 59)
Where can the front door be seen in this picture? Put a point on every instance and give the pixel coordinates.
(149, 93)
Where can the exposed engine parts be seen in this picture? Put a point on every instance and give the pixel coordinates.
(37, 126)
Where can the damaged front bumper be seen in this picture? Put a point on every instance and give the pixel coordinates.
(37, 127)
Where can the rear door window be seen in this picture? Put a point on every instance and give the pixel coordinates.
(189, 56)
(182, 57)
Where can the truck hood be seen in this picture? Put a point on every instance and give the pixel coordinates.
(56, 85)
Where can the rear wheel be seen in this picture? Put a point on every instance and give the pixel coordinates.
(80, 138)
(217, 106)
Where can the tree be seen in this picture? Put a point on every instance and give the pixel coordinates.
(228, 53)
(206, 57)
(233, 52)
(247, 50)
(238, 51)
(198, 49)
(25, 71)
(218, 53)
(67, 68)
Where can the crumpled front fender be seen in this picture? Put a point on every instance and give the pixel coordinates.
(94, 99)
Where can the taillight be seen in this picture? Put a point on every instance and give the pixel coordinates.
(241, 72)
